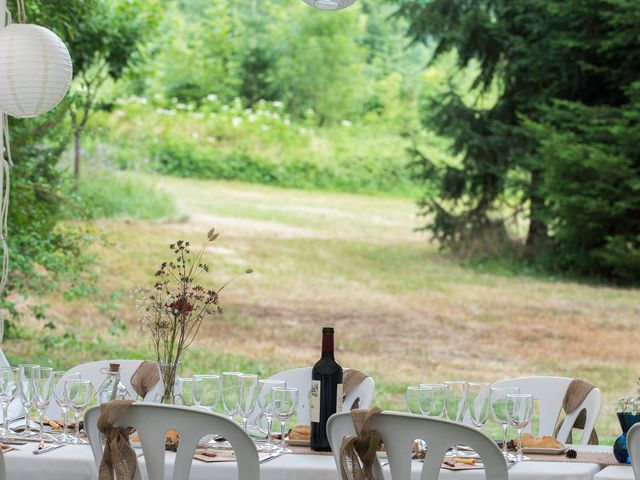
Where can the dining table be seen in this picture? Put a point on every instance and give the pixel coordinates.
(76, 462)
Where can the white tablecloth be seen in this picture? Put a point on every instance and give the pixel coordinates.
(76, 463)
(622, 472)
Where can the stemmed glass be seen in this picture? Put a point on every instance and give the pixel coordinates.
(519, 410)
(247, 398)
(190, 390)
(8, 391)
(478, 400)
(437, 399)
(59, 379)
(498, 399)
(412, 397)
(265, 394)
(25, 389)
(284, 402)
(455, 404)
(210, 390)
(42, 392)
(77, 394)
(230, 393)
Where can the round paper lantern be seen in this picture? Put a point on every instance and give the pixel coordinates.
(330, 4)
(35, 70)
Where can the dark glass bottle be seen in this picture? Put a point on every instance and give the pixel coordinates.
(325, 397)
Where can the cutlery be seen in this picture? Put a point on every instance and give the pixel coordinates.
(40, 451)
(270, 457)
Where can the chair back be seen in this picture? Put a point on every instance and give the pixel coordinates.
(633, 446)
(300, 378)
(95, 371)
(550, 392)
(400, 430)
(153, 420)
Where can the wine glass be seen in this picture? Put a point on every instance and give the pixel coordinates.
(437, 399)
(412, 397)
(265, 389)
(284, 402)
(25, 390)
(498, 400)
(77, 394)
(190, 391)
(519, 410)
(230, 393)
(247, 398)
(59, 379)
(8, 390)
(210, 387)
(42, 392)
(455, 404)
(478, 400)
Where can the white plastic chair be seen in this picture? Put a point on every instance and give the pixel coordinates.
(153, 420)
(633, 446)
(398, 432)
(550, 391)
(300, 378)
(95, 371)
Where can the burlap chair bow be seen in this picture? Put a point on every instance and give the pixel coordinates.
(351, 379)
(146, 376)
(118, 455)
(358, 453)
(576, 393)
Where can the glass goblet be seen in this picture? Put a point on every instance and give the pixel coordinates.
(42, 393)
(265, 393)
(284, 402)
(498, 401)
(211, 390)
(9, 378)
(189, 388)
(412, 398)
(230, 393)
(25, 390)
(455, 404)
(437, 399)
(248, 395)
(519, 411)
(478, 401)
(77, 394)
(59, 379)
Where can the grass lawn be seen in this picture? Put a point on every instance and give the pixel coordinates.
(403, 311)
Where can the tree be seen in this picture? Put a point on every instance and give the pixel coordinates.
(319, 66)
(104, 44)
(538, 52)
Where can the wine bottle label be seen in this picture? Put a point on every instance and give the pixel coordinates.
(339, 398)
(314, 401)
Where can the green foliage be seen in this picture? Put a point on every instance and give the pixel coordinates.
(115, 194)
(539, 53)
(259, 144)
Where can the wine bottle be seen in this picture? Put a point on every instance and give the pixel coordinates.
(325, 397)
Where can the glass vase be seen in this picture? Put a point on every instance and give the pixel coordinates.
(627, 420)
(168, 375)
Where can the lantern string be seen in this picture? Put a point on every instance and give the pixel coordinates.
(4, 207)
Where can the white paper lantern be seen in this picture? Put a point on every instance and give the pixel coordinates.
(35, 70)
(330, 4)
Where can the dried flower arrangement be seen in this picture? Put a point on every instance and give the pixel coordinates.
(630, 404)
(172, 312)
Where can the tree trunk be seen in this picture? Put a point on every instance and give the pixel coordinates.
(537, 227)
(77, 153)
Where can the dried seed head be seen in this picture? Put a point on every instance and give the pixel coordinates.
(249, 270)
(213, 237)
(210, 233)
